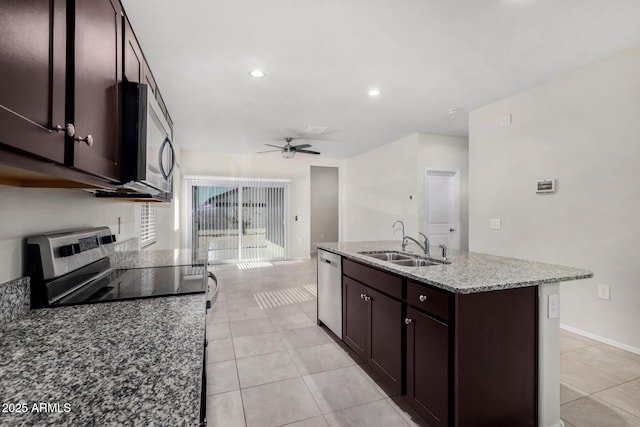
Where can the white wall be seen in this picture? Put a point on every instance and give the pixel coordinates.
(582, 129)
(378, 185)
(29, 211)
(450, 154)
(325, 205)
(269, 165)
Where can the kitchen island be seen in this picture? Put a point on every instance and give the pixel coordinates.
(470, 340)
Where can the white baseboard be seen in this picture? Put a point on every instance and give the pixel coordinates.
(604, 340)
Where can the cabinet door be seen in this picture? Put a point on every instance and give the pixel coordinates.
(354, 315)
(385, 338)
(32, 87)
(428, 367)
(96, 87)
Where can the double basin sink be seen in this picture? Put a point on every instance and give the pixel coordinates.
(403, 259)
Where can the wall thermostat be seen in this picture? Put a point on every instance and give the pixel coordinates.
(546, 186)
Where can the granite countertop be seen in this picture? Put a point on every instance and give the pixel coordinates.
(468, 272)
(157, 258)
(133, 362)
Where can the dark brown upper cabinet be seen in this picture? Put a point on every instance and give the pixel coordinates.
(93, 80)
(32, 88)
(134, 63)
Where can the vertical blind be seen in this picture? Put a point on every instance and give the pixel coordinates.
(239, 219)
(147, 224)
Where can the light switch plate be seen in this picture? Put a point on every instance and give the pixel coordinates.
(495, 224)
(604, 292)
(554, 309)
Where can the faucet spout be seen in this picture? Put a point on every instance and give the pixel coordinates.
(404, 237)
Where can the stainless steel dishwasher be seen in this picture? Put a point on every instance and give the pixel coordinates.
(330, 291)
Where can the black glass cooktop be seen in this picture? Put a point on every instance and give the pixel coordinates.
(136, 283)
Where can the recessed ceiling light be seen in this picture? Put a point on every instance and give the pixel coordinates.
(256, 73)
(374, 92)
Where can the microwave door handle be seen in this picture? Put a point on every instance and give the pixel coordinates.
(173, 159)
(165, 174)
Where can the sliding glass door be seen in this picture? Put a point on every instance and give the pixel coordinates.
(239, 219)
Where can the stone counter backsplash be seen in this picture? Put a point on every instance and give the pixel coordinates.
(14, 300)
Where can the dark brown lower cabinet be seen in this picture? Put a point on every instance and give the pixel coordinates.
(355, 313)
(469, 359)
(385, 338)
(373, 330)
(427, 361)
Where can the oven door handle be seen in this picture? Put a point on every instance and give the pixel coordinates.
(213, 296)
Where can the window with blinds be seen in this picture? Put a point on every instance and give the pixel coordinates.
(239, 219)
(148, 224)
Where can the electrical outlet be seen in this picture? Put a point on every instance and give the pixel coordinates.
(554, 306)
(495, 224)
(604, 292)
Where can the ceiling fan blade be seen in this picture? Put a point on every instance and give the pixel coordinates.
(307, 151)
(267, 151)
(296, 147)
(276, 146)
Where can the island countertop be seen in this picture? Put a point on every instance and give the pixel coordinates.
(133, 362)
(466, 272)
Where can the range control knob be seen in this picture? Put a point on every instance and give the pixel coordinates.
(69, 250)
(108, 239)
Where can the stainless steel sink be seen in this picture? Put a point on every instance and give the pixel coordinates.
(416, 262)
(403, 259)
(390, 256)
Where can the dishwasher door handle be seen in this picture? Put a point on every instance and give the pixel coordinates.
(328, 261)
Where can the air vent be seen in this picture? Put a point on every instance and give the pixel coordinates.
(316, 130)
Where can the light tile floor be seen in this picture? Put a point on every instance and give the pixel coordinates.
(276, 367)
(599, 384)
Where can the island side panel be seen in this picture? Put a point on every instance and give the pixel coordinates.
(495, 358)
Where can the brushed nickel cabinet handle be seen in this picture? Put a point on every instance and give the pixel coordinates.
(423, 298)
(408, 321)
(87, 140)
(68, 128)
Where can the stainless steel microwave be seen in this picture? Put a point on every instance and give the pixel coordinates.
(149, 157)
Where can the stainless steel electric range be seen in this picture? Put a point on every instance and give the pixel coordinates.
(73, 267)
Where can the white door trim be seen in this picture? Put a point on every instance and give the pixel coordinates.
(455, 200)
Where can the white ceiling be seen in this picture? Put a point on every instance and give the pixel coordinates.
(321, 58)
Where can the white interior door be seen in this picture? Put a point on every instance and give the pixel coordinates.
(442, 208)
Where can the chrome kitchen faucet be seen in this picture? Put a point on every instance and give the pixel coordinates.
(404, 238)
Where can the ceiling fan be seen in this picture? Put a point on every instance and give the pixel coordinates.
(289, 151)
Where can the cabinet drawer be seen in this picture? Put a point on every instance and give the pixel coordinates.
(428, 299)
(379, 280)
